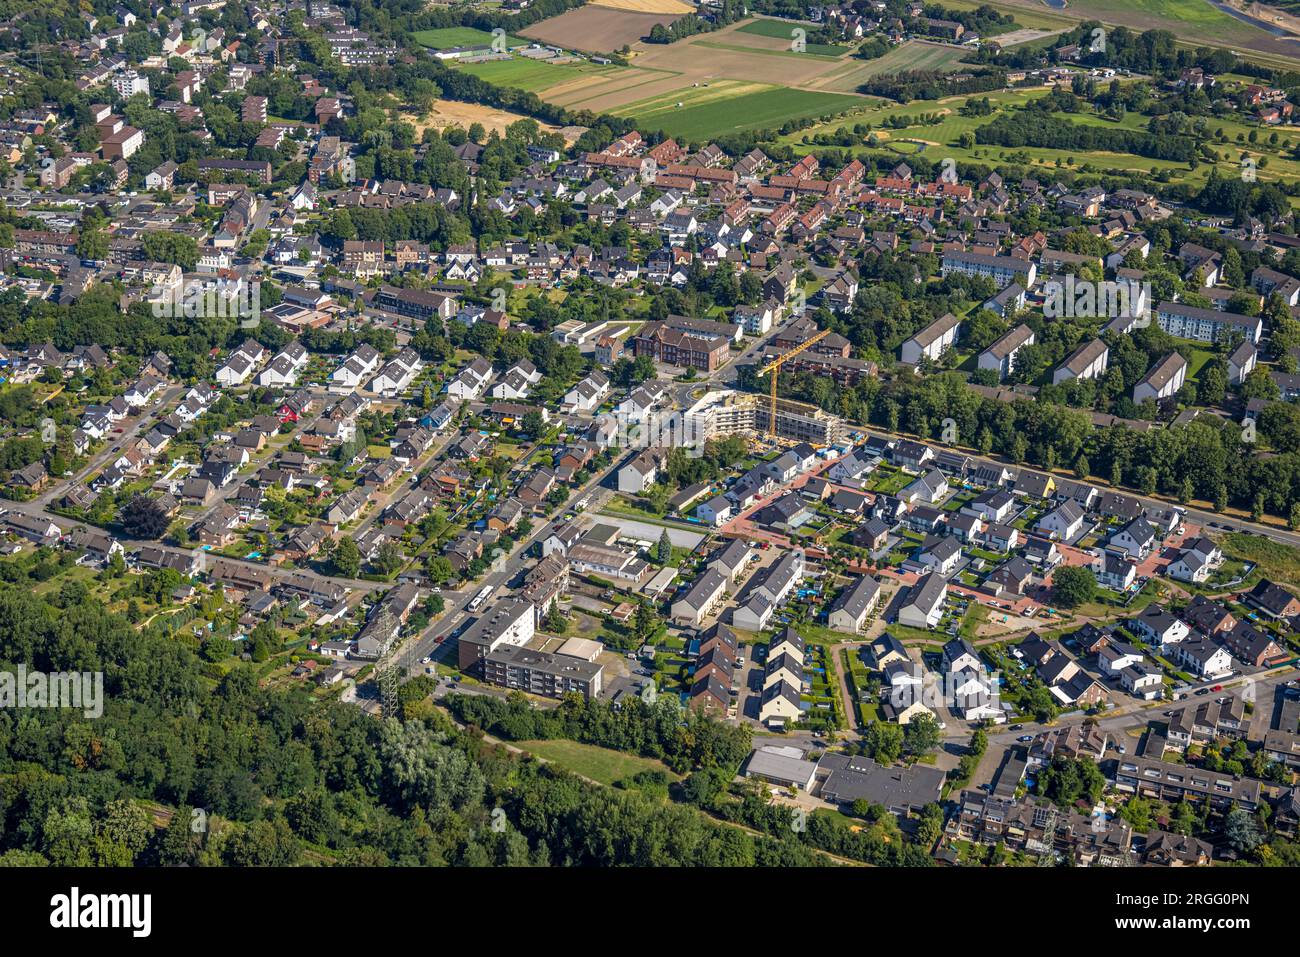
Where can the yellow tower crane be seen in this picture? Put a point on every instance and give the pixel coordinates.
(774, 367)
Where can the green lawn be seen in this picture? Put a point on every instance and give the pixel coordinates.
(780, 29)
(532, 76)
(784, 30)
(699, 113)
(598, 764)
(460, 37)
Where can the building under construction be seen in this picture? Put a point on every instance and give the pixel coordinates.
(728, 412)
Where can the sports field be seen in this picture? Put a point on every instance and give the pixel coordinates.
(729, 105)
(534, 76)
(449, 37)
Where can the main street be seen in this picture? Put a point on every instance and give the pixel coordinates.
(505, 568)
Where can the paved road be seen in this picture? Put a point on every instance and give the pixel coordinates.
(118, 443)
(507, 568)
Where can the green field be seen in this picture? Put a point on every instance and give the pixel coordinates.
(1197, 13)
(1196, 23)
(598, 764)
(782, 30)
(532, 76)
(947, 132)
(449, 37)
(706, 110)
(814, 51)
(912, 55)
(1277, 561)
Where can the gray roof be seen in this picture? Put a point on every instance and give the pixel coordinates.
(928, 592)
(1010, 342)
(783, 764)
(852, 778)
(1084, 356)
(858, 597)
(704, 588)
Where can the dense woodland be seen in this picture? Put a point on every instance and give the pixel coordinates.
(287, 778)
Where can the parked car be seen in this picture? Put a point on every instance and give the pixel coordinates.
(1025, 737)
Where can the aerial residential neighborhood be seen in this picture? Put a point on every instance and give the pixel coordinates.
(648, 432)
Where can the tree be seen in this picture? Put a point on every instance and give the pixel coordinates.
(931, 825)
(347, 558)
(1072, 585)
(664, 550)
(883, 741)
(921, 735)
(142, 517)
(645, 623)
(1068, 780)
(92, 244)
(439, 569)
(556, 623)
(532, 423)
(1241, 831)
(389, 558)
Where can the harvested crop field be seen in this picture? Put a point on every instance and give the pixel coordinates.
(718, 55)
(454, 113)
(604, 94)
(596, 29)
(647, 6)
